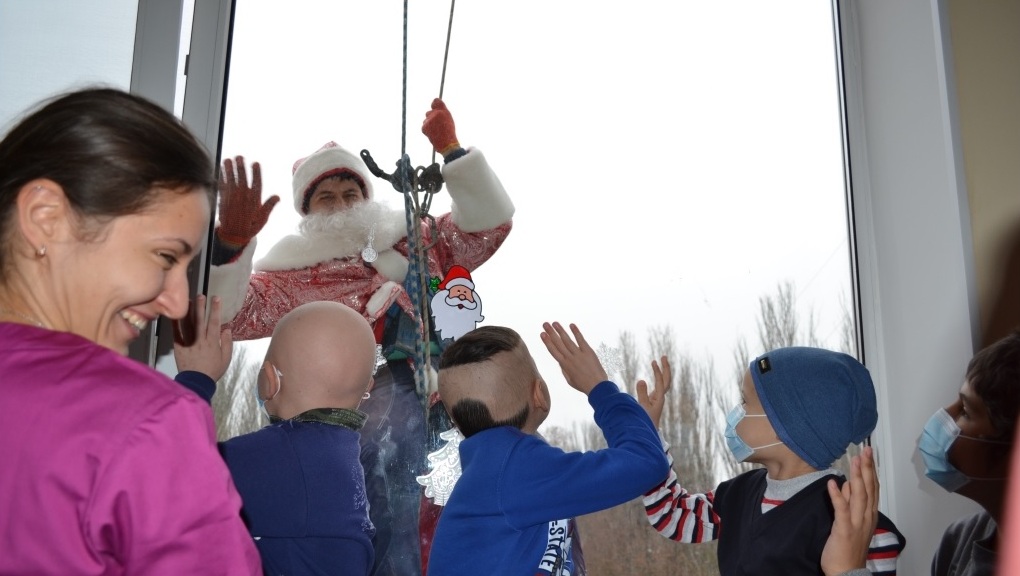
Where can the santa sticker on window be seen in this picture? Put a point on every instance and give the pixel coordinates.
(456, 307)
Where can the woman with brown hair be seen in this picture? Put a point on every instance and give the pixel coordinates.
(109, 466)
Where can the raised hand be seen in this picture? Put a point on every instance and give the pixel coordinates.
(653, 403)
(242, 214)
(856, 516)
(439, 128)
(579, 363)
(213, 345)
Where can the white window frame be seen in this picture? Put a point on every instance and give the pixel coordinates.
(914, 258)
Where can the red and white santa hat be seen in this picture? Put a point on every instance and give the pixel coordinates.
(457, 276)
(330, 160)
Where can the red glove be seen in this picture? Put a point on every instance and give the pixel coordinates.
(242, 214)
(439, 128)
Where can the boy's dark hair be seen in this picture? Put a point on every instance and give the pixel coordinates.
(479, 345)
(472, 417)
(994, 375)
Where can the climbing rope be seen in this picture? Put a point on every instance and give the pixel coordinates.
(446, 57)
(410, 182)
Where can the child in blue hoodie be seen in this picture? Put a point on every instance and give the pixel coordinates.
(511, 510)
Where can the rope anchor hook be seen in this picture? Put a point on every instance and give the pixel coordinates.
(404, 179)
(409, 182)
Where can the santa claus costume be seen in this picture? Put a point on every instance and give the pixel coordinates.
(359, 257)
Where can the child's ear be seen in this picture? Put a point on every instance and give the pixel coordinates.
(540, 395)
(269, 385)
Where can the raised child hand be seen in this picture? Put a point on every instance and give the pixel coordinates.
(856, 509)
(241, 211)
(580, 365)
(653, 403)
(210, 353)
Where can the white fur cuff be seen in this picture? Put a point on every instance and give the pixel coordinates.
(479, 200)
(230, 282)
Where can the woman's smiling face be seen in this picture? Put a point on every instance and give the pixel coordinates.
(133, 270)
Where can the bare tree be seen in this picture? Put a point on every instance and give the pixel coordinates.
(234, 403)
(847, 328)
(777, 318)
(559, 436)
(629, 360)
(741, 361)
(620, 540)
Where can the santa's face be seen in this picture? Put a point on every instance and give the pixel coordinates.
(461, 304)
(335, 195)
(461, 293)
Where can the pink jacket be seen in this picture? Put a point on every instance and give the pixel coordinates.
(108, 467)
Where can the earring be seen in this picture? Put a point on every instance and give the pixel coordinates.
(41, 251)
(366, 396)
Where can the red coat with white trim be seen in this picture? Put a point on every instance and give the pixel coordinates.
(302, 268)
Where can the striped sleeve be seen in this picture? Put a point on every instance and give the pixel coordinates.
(679, 515)
(884, 551)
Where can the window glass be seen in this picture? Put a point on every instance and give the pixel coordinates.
(677, 172)
(671, 163)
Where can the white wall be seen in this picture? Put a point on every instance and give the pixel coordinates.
(49, 46)
(918, 302)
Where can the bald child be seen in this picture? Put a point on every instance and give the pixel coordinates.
(300, 478)
(511, 510)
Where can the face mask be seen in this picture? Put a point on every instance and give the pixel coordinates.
(937, 438)
(741, 451)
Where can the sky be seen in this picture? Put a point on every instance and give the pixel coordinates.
(670, 162)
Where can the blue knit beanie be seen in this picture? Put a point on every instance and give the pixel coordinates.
(818, 401)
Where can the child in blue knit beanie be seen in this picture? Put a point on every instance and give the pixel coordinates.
(800, 409)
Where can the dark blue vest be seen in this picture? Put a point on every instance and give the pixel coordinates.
(788, 540)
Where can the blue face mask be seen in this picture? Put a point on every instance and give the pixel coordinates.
(741, 451)
(937, 438)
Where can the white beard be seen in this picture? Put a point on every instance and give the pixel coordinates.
(351, 227)
(324, 237)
